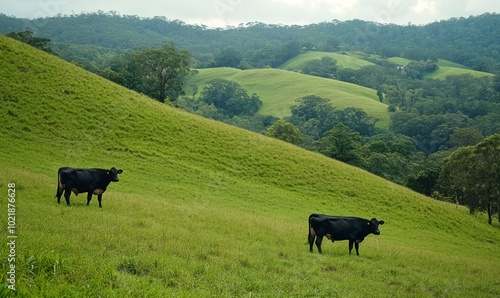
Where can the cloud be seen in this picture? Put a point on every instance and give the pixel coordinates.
(425, 6)
(233, 12)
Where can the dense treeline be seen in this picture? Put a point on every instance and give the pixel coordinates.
(473, 41)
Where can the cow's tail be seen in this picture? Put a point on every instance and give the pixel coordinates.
(60, 185)
(311, 232)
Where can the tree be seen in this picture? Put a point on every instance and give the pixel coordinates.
(342, 144)
(162, 71)
(230, 97)
(28, 38)
(229, 57)
(471, 176)
(325, 67)
(424, 181)
(431, 132)
(467, 136)
(417, 70)
(285, 131)
(314, 116)
(194, 87)
(357, 120)
(496, 82)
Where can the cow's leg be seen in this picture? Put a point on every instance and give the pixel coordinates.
(350, 245)
(310, 239)
(99, 198)
(67, 193)
(59, 193)
(319, 239)
(311, 242)
(89, 197)
(356, 245)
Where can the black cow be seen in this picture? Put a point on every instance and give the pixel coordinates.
(334, 228)
(91, 181)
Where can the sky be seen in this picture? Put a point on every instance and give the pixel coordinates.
(222, 13)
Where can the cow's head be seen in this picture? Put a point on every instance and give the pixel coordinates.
(113, 174)
(373, 226)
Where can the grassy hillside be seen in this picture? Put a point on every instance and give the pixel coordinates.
(399, 60)
(203, 209)
(279, 89)
(343, 60)
(446, 68)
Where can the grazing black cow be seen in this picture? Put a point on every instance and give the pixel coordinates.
(91, 181)
(334, 228)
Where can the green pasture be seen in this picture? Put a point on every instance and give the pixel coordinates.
(446, 71)
(279, 89)
(399, 60)
(343, 60)
(446, 68)
(204, 209)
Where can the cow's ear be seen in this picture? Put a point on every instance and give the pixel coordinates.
(381, 222)
(107, 172)
(120, 171)
(368, 222)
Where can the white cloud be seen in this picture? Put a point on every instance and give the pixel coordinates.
(234, 12)
(425, 6)
(334, 6)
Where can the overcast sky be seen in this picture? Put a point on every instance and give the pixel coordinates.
(221, 13)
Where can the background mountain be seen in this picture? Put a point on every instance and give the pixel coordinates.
(473, 42)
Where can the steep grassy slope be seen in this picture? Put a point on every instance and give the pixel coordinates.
(345, 61)
(204, 209)
(278, 90)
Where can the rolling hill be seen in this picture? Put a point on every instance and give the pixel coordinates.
(279, 89)
(446, 68)
(204, 209)
(343, 60)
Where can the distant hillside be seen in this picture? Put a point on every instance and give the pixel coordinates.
(399, 60)
(349, 60)
(343, 60)
(446, 68)
(278, 90)
(472, 41)
(203, 209)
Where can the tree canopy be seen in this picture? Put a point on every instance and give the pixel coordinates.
(28, 37)
(156, 72)
(230, 97)
(285, 131)
(471, 176)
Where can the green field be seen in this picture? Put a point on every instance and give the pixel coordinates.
(399, 60)
(279, 89)
(204, 209)
(446, 68)
(343, 60)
